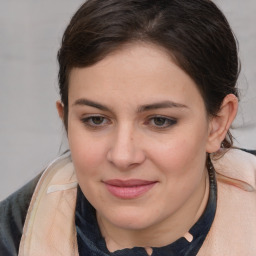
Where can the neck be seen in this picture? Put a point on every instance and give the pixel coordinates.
(169, 230)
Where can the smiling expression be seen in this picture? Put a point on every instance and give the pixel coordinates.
(138, 134)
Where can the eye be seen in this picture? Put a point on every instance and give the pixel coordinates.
(95, 122)
(161, 122)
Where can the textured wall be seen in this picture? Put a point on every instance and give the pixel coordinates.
(30, 132)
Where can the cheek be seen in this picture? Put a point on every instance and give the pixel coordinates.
(181, 155)
(87, 154)
(182, 165)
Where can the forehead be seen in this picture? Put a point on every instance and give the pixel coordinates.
(134, 73)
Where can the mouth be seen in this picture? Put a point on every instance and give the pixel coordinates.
(129, 189)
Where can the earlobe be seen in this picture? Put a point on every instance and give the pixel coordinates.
(220, 124)
(60, 109)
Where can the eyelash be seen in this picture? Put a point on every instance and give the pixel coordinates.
(88, 121)
(167, 122)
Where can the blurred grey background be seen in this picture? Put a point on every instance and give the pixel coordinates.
(31, 134)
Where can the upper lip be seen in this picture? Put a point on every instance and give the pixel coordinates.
(128, 183)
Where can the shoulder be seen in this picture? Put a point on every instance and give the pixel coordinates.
(235, 218)
(239, 165)
(13, 212)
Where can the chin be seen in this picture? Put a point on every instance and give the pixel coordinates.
(131, 219)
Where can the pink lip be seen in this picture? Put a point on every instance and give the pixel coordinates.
(128, 189)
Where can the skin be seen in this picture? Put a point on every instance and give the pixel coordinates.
(137, 115)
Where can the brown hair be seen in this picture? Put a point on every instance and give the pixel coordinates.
(194, 32)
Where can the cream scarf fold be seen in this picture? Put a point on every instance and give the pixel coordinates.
(49, 228)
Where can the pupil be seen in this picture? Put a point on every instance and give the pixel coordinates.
(159, 121)
(97, 119)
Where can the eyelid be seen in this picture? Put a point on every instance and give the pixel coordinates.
(87, 118)
(170, 122)
(87, 121)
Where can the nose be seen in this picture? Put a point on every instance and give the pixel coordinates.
(126, 151)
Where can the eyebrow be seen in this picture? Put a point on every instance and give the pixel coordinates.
(86, 102)
(162, 104)
(143, 108)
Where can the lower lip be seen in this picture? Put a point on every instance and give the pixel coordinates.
(129, 192)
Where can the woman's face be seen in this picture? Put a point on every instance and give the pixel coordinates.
(138, 134)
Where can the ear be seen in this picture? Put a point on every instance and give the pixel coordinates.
(60, 109)
(220, 124)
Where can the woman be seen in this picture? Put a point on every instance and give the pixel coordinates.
(147, 98)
